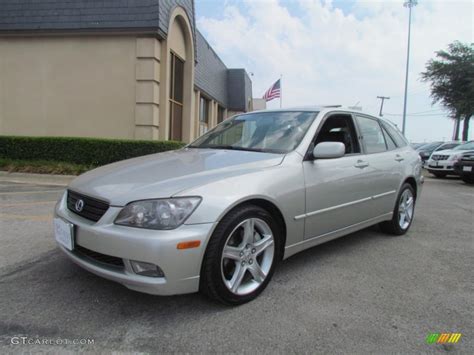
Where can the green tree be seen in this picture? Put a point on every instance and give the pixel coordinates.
(451, 76)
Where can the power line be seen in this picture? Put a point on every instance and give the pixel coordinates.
(412, 115)
(428, 111)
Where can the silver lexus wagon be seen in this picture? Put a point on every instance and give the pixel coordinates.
(221, 213)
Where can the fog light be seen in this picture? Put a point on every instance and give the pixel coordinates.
(146, 269)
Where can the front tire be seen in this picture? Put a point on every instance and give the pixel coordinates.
(241, 256)
(403, 213)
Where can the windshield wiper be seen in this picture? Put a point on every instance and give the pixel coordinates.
(230, 147)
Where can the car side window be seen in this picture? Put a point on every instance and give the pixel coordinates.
(339, 128)
(372, 135)
(391, 145)
(395, 134)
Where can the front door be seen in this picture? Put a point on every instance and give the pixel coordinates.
(338, 194)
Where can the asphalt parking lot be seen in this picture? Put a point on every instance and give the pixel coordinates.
(364, 293)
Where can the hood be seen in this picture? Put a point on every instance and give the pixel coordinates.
(448, 152)
(166, 174)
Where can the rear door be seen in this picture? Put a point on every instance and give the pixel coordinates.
(385, 161)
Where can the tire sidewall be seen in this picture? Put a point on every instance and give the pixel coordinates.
(397, 206)
(221, 235)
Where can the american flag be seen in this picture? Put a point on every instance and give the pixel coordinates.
(273, 92)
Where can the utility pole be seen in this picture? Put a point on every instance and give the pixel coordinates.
(409, 4)
(382, 98)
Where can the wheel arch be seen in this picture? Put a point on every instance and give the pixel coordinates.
(412, 182)
(267, 205)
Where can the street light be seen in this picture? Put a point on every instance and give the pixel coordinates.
(409, 4)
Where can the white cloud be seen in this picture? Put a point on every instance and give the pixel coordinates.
(326, 56)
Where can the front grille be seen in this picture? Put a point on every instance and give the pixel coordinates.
(439, 157)
(92, 209)
(468, 157)
(107, 260)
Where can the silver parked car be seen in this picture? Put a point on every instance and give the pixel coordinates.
(219, 214)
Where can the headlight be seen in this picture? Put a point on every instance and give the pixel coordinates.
(158, 214)
(454, 157)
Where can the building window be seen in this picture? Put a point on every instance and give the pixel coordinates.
(220, 114)
(176, 98)
(203, 115)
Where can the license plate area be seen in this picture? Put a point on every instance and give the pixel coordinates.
(467, 168)
(64, 233)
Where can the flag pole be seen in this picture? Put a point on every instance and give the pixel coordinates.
(281, 90)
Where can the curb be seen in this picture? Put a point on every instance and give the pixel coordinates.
(37, 179)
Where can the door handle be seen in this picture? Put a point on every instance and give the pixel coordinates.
(398, 157)
(361, 164)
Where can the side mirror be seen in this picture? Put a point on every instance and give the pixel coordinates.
(329, 150)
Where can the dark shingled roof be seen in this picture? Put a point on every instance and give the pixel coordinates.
(78, 14)
(57, 15)
(232, 88)
(210, 72)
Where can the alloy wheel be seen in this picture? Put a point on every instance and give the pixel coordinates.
(247, 256)
(406, 208)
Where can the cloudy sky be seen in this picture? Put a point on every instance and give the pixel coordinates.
(340, 51)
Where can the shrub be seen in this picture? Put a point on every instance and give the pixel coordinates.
(84, 151)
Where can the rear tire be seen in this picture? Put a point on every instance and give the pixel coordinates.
(468, 179)
(403, 213)
(241, 256)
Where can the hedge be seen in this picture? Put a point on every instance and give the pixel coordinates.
(86, 151)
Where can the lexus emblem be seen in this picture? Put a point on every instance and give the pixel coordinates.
(79, 205)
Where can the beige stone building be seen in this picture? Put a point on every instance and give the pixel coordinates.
(112, 68)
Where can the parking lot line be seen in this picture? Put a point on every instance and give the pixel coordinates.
(39, 218)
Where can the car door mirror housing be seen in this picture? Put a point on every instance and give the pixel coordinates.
(329, 150)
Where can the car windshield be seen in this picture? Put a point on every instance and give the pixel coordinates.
(447, 146)
(271, 132)
(430, 146)
(466, 146)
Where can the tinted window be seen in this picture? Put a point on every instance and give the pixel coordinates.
(429, 146)
(372, 135)
(395, 134)
(204, 110)
(388, 139)
(447, 146)
(467, 146)
(220, 114)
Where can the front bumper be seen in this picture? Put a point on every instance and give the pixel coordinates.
(181, 267)
(446, 166)
(464, 168)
